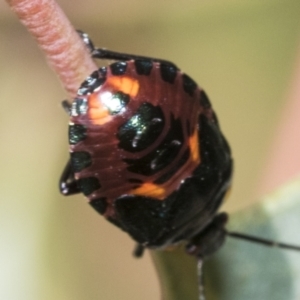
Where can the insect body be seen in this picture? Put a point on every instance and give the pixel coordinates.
(147, 151)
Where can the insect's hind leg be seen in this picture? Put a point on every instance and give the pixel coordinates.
(101, 53)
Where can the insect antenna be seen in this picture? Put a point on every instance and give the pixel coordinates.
(262, 241)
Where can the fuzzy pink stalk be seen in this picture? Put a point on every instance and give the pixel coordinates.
(284, 160)
(55, 35)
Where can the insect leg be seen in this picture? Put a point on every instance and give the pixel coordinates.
(138, 251)
(66, 106)
(101, 53)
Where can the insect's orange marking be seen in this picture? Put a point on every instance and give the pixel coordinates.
(194, 147)
(150, 190)
(124, 84)
(97, 112)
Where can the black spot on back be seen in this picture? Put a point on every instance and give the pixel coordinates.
(91, 83)
(142, 129)
(162, 155)
(143, 66)
(99, 204)
(215, 118)
(168, 175)
(118, 68)
(189, 85)
(88, 185)
(168, 72)
(77, 133)
(80, 160)
(204, 101)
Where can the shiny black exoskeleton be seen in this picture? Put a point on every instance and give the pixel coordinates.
(147, 151)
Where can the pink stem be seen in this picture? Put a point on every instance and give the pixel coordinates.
(284, 160)
(55, 35)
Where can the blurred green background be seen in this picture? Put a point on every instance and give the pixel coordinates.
(241, 52)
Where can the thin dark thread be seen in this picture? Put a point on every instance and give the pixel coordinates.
(262, 241)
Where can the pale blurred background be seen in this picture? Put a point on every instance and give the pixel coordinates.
(242, 52)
